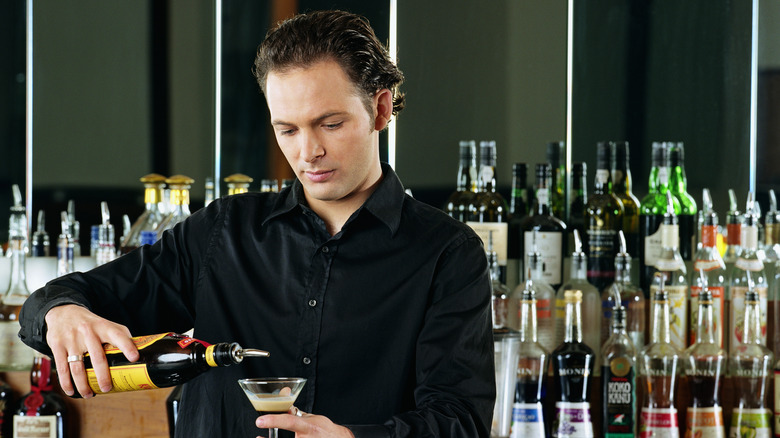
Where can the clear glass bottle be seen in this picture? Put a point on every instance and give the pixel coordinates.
(179, 186)
(106, 248)
(621, 187)
(573, 363)
(709, 271)
(41, 244)
(550, 230)
(65, 252)
(527, 412)
(518, 209)
(500, 300)
(457, 204)
(675, 277)
(41, 412)
(579, 190)
(208, 198)
(75, 228)
(771, 244)
(751, 369)
(733, 232)
(659, 367)
(618, 376)
(705, 367)
(152, 215)
(591, 303)
(633, 300)
(678, 184)
(603, 219)
(555, 151)
(269, 186)
(488, 211)
(238, 183)
(748, 264)
(15, 355)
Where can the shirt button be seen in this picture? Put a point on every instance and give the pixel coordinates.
(312, 303)
(325, 249)
(306, 361)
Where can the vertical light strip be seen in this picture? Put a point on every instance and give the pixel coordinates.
(217, 97)
(392, 49)
(753, 97)
(569, 93)
(28, 115)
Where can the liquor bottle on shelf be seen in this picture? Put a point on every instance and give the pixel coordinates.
(41, 244)
(65, 244)
(488, 210)
(208, 196)
(42, 412)
(269, 186)
(518, 209)
(603, 219)
(6, 409)
(591, 302)
(152, 215)
(549, 229)
(238, 183)
(527, 415)
(75, 228)
(772, 230)
(457, 204)
(166, 359)
(555, 151)
(651, 214)
(106, 249)
(708, 270)
(545, 300)
(14, 355)
(621, 187)
(748, 267)
(500, 300)
(675, 279)
(678, 184)
(751, 368)
(705, 366)
(172, 404)
(573, 367)
(179, 186)
(618, 375)
(659, 367)
(733, 232)
(633, 300)
(579, 190)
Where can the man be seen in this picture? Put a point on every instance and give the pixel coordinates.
(380, 301)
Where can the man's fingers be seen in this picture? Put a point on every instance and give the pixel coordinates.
(63, 369)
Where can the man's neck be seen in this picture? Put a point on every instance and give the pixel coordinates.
(336, 213)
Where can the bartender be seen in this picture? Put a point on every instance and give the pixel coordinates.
(380, 301)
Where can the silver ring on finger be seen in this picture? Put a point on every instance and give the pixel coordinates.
(75, 358)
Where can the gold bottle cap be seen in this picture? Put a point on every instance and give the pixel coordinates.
(179, 180)
(238, 178)
(153, 178)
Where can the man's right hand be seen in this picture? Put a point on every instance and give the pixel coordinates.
(72, 331)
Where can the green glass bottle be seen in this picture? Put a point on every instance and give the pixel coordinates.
(555, 151)
(678, 184)
(621, 187)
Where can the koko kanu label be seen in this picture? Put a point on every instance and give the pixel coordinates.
(619, 395)
(527, 421)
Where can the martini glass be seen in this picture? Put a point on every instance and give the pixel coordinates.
(272, 395)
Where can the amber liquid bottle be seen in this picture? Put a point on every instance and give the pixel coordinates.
(621, 187)
(42, 412)
(457, 204)
(166, 359)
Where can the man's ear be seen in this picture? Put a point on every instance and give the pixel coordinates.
(383, 105)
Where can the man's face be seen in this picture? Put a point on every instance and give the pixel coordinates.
(325, 132)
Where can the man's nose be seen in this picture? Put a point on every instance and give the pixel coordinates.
(312, 148)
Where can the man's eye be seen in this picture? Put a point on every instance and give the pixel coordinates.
(287, 131)
(333, 125)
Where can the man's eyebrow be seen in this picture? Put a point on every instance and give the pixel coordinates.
(276, 122)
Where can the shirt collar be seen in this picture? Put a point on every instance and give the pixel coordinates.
(385, 203)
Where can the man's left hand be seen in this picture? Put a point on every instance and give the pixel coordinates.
(304, 425)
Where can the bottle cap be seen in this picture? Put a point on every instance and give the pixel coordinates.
(179, 181)
(238, 178)
(153, 178)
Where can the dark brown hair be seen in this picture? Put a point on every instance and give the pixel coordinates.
(341, 36)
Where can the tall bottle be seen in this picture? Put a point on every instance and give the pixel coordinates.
(42, 412)
(705, 367)
(651, 214)
(621, 187)
(603, 219)
(518, 209)
(748, 264)
(238, 183)
(659, 366)
(14, 355)
(65, 245)
(500, 300)
(41, 244)
(556, 153)
(75, 228)
(633, 300)
(733, 232)
(772, 231)
(179, 186)
(675, 277)
(573, 363)
(550, 240)
(457, 204)
(527, 413)
(678, 183)
(591, 303)
(579, 190)
(708, 271)
(488, 211)
(751, 368)
(545, 300)
(166, 359)
(106, 249)
(618, 371)
(151, 217)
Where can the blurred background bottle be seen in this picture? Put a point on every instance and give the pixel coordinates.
(556, 157)
(42, 411)
(238, 183)
(633, 300)
(579, 190)
(678, 184)
(41, 244)
(179, 186)
(518, 209)
(152, 215)
(457, 204)
(618, 376)
(545, 300)
(622, 188)
(733, 232)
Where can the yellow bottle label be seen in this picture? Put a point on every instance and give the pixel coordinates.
(124, 378)
(140, 342)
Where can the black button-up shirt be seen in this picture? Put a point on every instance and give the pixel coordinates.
(388, 320)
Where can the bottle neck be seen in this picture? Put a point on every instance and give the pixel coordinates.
(579, 266)
(749, 240)
(40, 375)
(572, 331)
(705, 329)
(670, 237)
(466, 177)
(535, 269)
(528, 320)
(661, 332)
(519, 201)
(542, 201)
(622, 270)
(17, 287)
(152, 195)
(677, 180)
(709, 236)
(621, 178)
(487, 178)
(602, 183)
(180, 197)
(752, 320)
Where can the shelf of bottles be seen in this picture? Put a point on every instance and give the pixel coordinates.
(662, 325)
